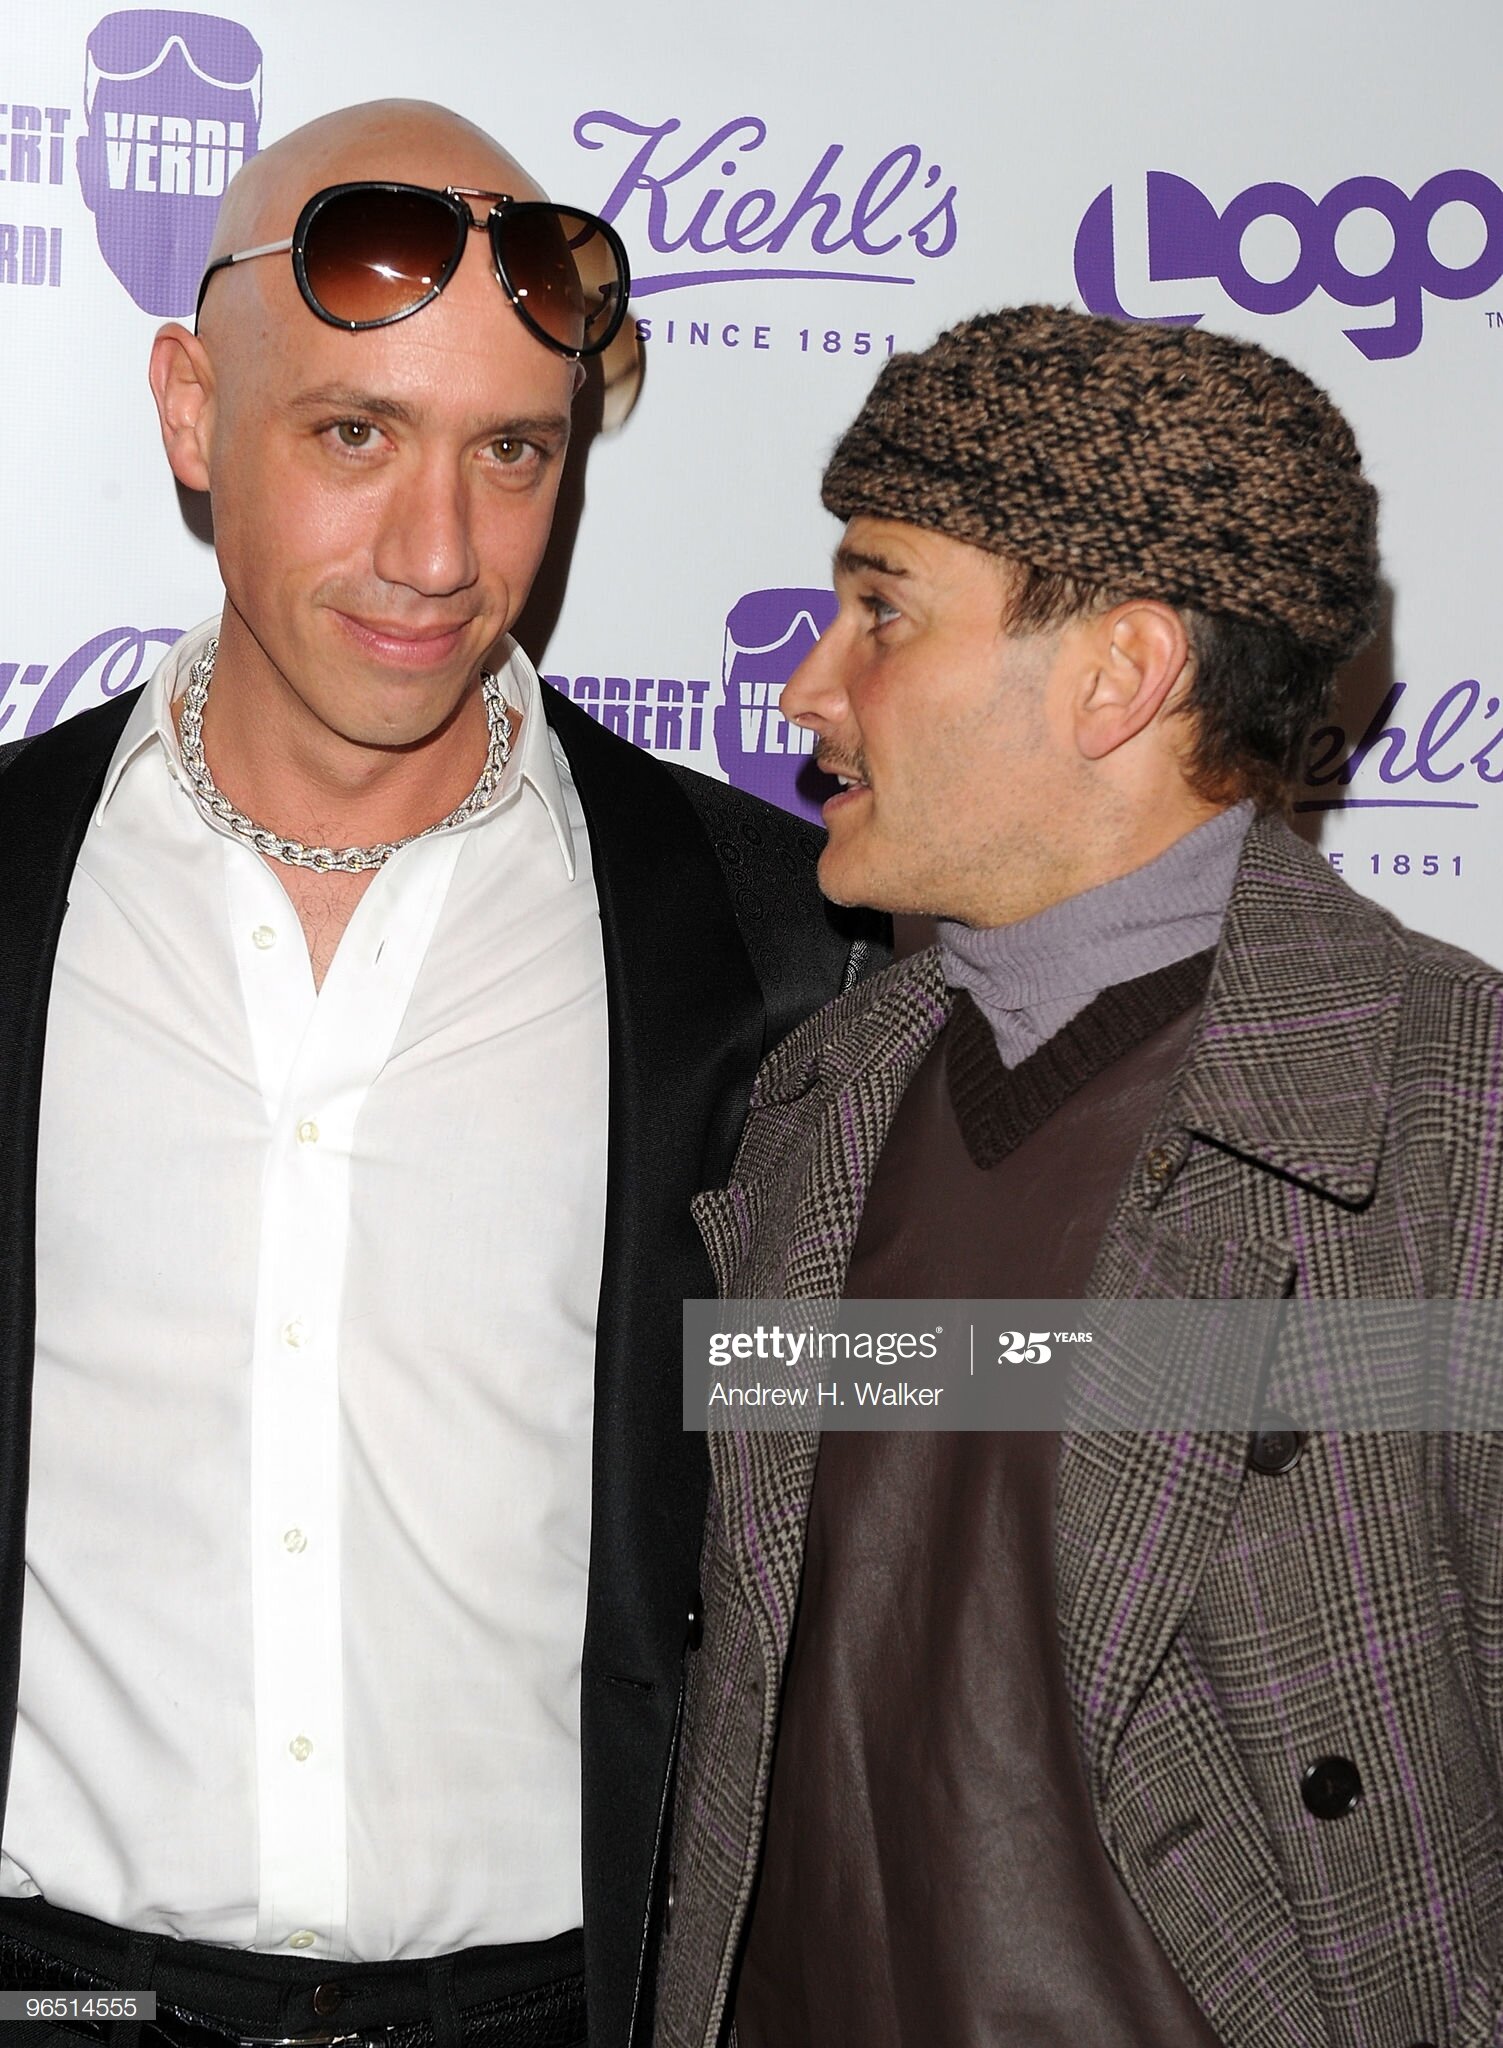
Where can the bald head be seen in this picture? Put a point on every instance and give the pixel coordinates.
(381, 494)
(244, 317)
(407, 141)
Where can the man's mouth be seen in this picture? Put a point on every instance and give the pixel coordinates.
(413, 645)
(852, 788)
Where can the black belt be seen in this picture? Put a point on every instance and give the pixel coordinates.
(525, 1995)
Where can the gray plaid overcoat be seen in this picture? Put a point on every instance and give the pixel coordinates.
(1335, 1132)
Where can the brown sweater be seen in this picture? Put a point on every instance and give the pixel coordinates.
(931, 1870)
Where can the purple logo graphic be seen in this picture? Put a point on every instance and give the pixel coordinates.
(102, 668)
(1188, 240)
(173, 105)
(871, 224)
(767, 635)
(1421, 762)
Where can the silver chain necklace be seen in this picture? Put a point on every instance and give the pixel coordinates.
(325, 860)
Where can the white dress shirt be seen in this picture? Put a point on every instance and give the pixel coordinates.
(317, 1277)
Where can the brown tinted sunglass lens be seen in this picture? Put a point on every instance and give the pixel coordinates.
(562, 269)
(370, 255)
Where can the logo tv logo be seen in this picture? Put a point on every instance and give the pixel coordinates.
(173, 105)
(1190, 242)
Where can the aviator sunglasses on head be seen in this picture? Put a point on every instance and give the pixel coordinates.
(366, 254)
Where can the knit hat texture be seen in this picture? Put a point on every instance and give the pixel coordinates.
(1164, 462)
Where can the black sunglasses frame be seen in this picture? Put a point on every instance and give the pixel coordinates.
(453, 199)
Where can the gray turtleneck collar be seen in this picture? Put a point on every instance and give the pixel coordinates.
(1030, 979)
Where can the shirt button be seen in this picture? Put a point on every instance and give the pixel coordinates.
(302, 1939)
(307, 1132)
(301, 1748)
(294, 1540)
(295, 1333)
(263, 937)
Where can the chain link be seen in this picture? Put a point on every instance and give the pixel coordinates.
(325, 860)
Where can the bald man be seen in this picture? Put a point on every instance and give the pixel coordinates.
(348, 1535)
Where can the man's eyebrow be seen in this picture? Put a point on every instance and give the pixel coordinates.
(851, 561)
(342, 398)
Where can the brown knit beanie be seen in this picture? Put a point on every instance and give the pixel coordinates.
(1160, 461)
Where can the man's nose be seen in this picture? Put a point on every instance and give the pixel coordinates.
(814, 695)
(425, 541)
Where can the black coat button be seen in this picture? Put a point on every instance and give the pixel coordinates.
(1275, 1447)
(1331, 1787)
(327, 1999)
(694, 1633)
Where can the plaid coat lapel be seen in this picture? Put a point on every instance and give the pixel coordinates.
(783, 1230)
(1290, 1071)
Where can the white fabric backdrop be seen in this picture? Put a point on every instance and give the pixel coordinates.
(919, 164)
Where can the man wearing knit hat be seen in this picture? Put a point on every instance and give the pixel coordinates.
(1142, 1737)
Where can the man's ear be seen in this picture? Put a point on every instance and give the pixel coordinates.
(182, 383)
(1137, 654)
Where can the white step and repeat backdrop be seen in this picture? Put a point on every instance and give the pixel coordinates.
(804, 187)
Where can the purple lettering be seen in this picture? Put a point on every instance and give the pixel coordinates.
(941, 216)
(809, 200)
(1433, 735)
(30, 677)
(751, 211)
(33, 255)
(25, 145)
(635, 177)
(1189, 241)
(615, 712)
(1378, 729)
(57, 120)
(122, 653)
(698, 691)
(898, 168)
(1482, 760)
(668, 734)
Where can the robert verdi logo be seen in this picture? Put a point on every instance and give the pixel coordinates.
(173, 106)
(1190, 241)
(767, 635)
(712, 210)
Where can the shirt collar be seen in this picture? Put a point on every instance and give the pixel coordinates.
(151, 733)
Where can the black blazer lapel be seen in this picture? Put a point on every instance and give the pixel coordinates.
(47, 791)
(686, 1027)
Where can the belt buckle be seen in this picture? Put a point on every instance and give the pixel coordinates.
(351, 2037)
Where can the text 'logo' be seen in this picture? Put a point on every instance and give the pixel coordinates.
(1190, 242)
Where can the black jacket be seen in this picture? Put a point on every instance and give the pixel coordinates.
(716, 943)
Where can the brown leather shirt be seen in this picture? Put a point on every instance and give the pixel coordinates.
(932, 1871)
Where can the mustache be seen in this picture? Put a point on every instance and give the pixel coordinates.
(828, 762)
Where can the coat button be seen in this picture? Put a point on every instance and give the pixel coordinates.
(1330, 1787)
(694, 1633)
(327, 1999)
(1275, 1447)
